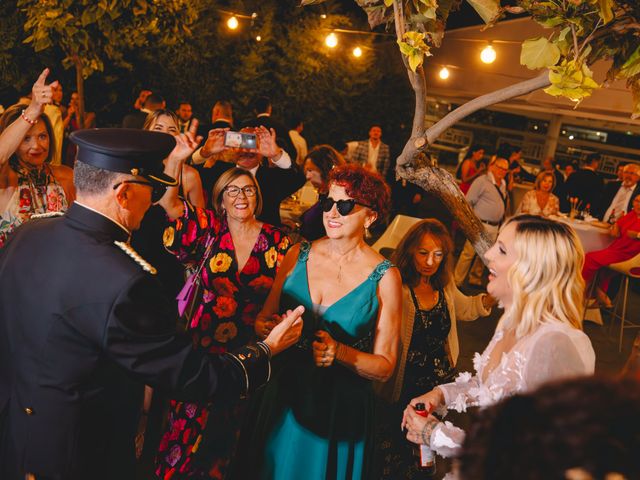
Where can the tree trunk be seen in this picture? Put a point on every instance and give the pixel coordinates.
(80, 88)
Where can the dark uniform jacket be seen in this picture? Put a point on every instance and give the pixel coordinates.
(82, 327)
(276, 184)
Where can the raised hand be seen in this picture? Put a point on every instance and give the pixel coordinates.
(263, 325)
(287, 332)
(324, 349)
(267, 146)
(41, 93)
(214, 143)
(186, 144)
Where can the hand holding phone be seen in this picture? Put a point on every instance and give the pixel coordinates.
(240, 140)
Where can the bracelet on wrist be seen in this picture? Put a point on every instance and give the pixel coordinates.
(27, 119)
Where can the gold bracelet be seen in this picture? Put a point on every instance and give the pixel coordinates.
(27, 119)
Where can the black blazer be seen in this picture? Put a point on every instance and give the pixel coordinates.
(276, 184)
(585, 184)
(609, 193)
(82, 328)
(134, 120)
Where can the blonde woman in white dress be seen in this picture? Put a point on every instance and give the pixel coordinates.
(535, 270)
(540, 200)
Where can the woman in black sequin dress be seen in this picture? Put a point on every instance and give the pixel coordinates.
(429, 342)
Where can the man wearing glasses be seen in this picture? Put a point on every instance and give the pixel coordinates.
(488, 196)
(84, 325)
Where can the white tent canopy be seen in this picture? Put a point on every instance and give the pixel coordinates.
(470, 78)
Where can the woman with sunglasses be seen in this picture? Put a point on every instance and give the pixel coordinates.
(238, 273)
(315, 420)
(535, 273)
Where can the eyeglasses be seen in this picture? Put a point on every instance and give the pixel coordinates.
(344, 206)
(157, 190)
(233, 191)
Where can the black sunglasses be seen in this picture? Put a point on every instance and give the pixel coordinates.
(345, 207)
(157, 190)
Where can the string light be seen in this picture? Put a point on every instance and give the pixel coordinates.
(488, 55)
(444, 73)
(357, 52)
(232, 23)
(332, 40)
(258, 38)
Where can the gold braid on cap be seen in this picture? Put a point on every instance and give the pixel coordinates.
(128, 249)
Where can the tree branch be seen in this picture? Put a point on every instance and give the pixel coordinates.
(474, 105)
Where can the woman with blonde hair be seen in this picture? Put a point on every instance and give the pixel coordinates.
(540, 200)
(535, 273)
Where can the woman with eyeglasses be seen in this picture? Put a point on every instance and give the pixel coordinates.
(315, 420)
(431, 305)
(238, 273)
(535, 273)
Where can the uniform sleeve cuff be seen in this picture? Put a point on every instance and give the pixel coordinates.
(253, 361)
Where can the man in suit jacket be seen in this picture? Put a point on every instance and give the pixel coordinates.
(277, 176)
(372, 153)
(263, 109)
(83, 324)
(586, 184)
(617, 197)
(185, 116)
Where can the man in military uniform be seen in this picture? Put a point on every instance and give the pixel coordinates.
(81, 315)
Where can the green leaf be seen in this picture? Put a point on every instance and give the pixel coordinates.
(487, 9)
(415, 60)
(539, 53)
(631, 67)
(388, 3)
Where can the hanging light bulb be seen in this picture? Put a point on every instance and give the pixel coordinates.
(444, 73)
(357, 52)
(331, 40)
(258, 38)
(232, 23)
(488, 55)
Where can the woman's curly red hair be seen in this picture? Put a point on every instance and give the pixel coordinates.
(363, 185)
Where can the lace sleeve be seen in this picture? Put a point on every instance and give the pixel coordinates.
(460, 394)
(446, 439)
(556, 355)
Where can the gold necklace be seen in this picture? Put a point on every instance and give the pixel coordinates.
(339, 277)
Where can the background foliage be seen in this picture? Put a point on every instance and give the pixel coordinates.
(336, 95)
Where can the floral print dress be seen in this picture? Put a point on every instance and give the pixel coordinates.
(222, 321)
(37, 192)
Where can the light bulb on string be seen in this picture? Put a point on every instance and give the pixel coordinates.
(232, 23)
(488, 55)
(332, 40)
(444, 73)
(357, 52)
(258, 38)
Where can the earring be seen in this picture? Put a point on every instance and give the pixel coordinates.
(367, 233)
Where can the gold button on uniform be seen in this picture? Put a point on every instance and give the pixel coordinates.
(28, 411)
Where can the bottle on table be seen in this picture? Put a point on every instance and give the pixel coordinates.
(425, 457)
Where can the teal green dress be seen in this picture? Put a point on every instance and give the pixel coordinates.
(317, 423)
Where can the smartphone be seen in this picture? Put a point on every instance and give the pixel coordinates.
(240, 140)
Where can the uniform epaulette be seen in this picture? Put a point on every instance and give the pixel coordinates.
(47, 215)
(128, 249)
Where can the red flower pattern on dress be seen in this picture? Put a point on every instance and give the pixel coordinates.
(225, 307)
(223, 321)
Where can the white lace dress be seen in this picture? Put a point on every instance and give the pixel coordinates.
(552, 352)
